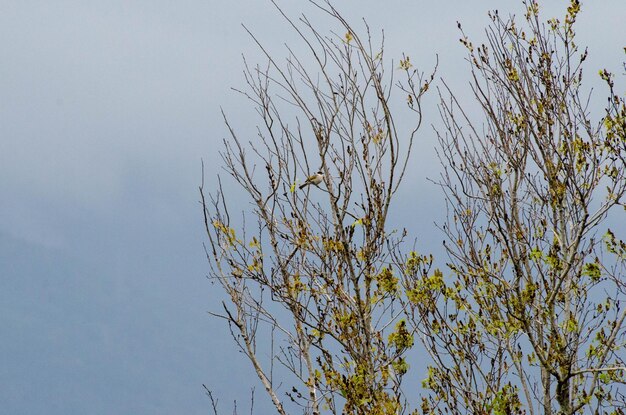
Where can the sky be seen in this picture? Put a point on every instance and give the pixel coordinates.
(106, 111)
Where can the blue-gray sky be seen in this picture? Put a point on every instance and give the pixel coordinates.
(106, 108)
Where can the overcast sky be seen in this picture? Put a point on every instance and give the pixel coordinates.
(106, 109)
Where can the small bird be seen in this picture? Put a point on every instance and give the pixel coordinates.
(313, 179)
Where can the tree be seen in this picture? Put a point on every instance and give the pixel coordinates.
(318, 269)
(526, 318)
(532, 318)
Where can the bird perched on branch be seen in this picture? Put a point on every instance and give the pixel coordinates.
(315, 179)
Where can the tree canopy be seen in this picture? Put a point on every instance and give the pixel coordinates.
(526, 313)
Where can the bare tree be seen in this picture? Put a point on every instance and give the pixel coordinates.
(531, 319)
(311, 276)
